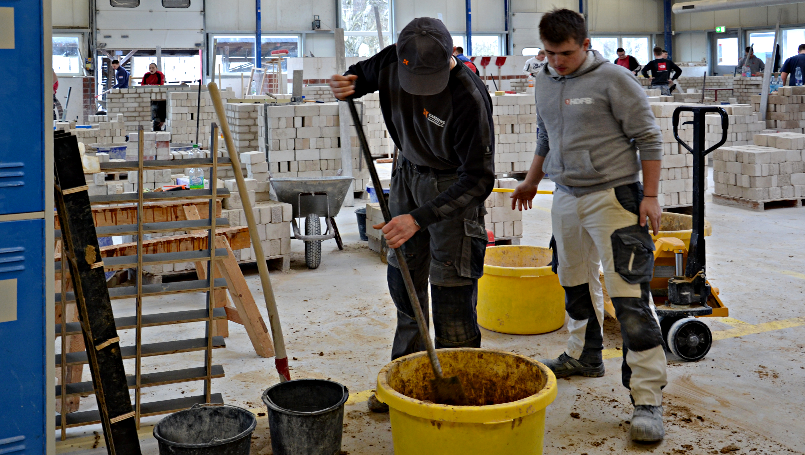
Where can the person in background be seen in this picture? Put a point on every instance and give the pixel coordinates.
(790, 66)
(535, 63)
(153, 76)
(57, 107)
(458, 52)
(593, 119)
(121, 75)
(440, 117)
(627, 61)
(660, 69)
(755, 64)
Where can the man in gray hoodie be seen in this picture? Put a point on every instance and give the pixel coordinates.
(593, 117)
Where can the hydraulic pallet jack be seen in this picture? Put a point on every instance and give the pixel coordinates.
(688, 294)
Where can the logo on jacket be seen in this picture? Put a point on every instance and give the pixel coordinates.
(662, 66)
(572, 101)
(433, 119)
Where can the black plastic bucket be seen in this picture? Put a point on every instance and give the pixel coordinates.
(206, 430)
(361, 214)
(306, 416)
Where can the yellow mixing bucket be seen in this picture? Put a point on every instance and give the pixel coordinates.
(508, 394)
(519, 293)
(679, 226)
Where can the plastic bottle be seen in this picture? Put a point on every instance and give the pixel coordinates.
(196, 175)
(798, 76)
(746, 71)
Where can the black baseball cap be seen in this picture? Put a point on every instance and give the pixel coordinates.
(424, 50)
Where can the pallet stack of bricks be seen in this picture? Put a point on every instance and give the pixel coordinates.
(515, 122)
(305, 141)
(182, 109)
(744, 124)
(771, 169)
(504, 222)
(676, 176)
(273, 225)
(785, 111)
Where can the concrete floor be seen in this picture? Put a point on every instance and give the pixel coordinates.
(745, 397)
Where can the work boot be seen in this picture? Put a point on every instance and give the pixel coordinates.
(565, 366)
(376, 405)
(647, 424)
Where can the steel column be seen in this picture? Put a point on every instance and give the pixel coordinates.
(468, 46)
(668, 34)
(258, 36)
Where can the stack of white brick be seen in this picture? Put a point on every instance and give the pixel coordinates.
(103, 132)
(744, 124)
(156, 146)
(676, 176)
(374, 126)
(242, 118)
(515, 121)
(785, 110)
(318, 93)
(743, 88)
(504, 222)
(772, 169)
(373, 217)
(183, 107)
(273, 225)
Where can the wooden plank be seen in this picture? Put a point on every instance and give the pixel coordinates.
(74, 343)
(149, 380)
(156, 195)
(151, 290)
(757, 206)
(149, 228)
(116, 166)
(151, 320)
(103, 352)
(151, 350)
(77, 419)
(125, 262)
(112, 215)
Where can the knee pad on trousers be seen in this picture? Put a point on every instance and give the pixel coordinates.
(454, 317)
(639, 327)
(579, 302)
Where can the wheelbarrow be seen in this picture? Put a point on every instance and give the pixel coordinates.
(313, 198)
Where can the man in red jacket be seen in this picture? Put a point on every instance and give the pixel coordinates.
(153, 77)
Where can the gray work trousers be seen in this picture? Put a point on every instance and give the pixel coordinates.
(448, 253)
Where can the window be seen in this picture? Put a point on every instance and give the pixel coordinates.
(727, 51)
(125, 3)
(481, 44)
(606, 46)
(791, 40)
(235, 53)
(529, 51)
(176, 3)
(66, 55)
(762, 43)
(359, 21)
(637, 47)
(176, 68)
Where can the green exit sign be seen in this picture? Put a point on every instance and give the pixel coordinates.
(721, 29)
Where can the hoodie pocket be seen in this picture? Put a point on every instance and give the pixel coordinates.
(579, 169)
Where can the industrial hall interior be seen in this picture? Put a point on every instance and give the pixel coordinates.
(376, 227)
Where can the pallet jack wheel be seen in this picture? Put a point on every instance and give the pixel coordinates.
(313, 248)
(689, 338)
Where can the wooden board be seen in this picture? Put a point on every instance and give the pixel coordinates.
(758, 206)
(155, 212)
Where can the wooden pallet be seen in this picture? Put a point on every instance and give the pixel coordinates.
(757, 206)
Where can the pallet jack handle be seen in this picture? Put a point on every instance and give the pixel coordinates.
(696, 255)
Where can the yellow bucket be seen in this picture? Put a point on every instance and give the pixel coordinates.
(519, 293)
(679, 226)
(508, 395)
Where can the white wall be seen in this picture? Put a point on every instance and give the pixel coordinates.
(150, 25)
(746, 17)
(690, 47)
(76, 107)
(276, 15)
(70, 13)
(487, 15)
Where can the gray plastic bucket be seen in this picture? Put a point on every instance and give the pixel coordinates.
(306, 416)
(206, 430)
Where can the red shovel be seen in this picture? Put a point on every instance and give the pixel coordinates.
(500, 61)
(484, 63)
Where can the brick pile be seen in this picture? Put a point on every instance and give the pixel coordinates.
(744, 124)
(504, 222)
(319, 93)
(676, 176)
(771, 169)
(273, 225)
(785, 111)
(515, 121)
(182, 108)
(746, 87)
(380, 142)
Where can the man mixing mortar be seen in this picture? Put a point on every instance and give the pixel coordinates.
(439, 115)
(593, 117)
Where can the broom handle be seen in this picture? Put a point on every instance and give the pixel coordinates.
(384, 207)
(281, 358)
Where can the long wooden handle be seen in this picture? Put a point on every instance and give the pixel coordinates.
(281, 358)
(406, 274)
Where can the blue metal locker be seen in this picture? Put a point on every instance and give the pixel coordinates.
(26, 230)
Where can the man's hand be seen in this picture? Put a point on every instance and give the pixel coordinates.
(650, 207)
(398, 230)
(343, 86)
(523, 195)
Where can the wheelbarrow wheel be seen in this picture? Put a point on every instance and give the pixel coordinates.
(313, 248)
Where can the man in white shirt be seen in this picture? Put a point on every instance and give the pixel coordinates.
(535, 63)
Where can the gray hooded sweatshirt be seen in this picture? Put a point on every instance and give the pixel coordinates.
(591, 124)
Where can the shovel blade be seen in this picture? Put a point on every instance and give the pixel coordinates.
(448, 391)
